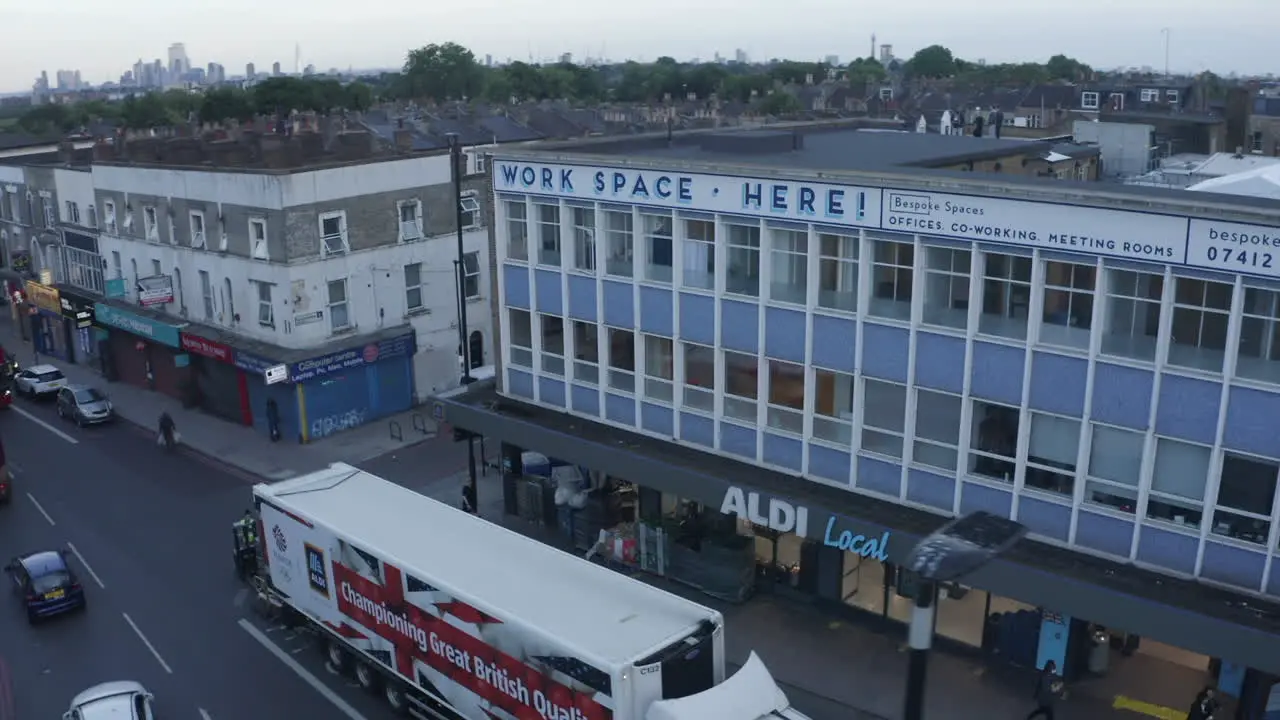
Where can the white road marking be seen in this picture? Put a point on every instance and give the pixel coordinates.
(85, 563)
(204, 714)
(44, 425)
(300, 671)
(147, 642)
(40, 507)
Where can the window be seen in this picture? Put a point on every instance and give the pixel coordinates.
(946, 287)
(586, 352)
(937, 429)
(993, 441)
(1260, 336)
(1171, 96)
(657, 247)
(109, 217)
(789, 255)
(339, 307)
(266, 311)
(1149, 95)
(517, 229)
(520, 325)
(700, 254)
(73, 213)
(619, 243)
(833, 407)
(1200, 312)
(91, 217)
(128, 219)
(470, 210)
(478, 162)
(838, 272)
(177, 291)
(584, 239)
(115, 264)
(552, 327)
(699, 377)
(622, 360)
(410, 212)
(1115, 467)
(206, 294)
(197, 230)
(548, 234)
(884, 417)
(744, 260)
(1132, 314)
(891, 272)
(471, 275)
(1006, 295)
(413, 286)
(1255, 145)
(230, 300)
(155, 268)
(258, 239)
(1068, 304)
(1178, 483)
(659, 368)
(150, 224)
(1246, 491)
(741, 390)
(1051, 455)
(1089, 101)
(786, 397)
(333, 233)
(50, 212)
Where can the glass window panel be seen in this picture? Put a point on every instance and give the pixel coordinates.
(1181, 470)
(790, 266)
(1132, 317)
(743, 275)
(1054, 440)
(938, 416)
(1068, 304)
(833, 406)
(946, 296)
(699, 377)
(1116, 455)
(885, 405)
(994, 438)
(700, 254)
(1199, 328)
(891, 277)
(657, 247)
(1247, 484)
(658, 357)
(1006, 295)
(740, 374)
(838, 272)
(786, 385)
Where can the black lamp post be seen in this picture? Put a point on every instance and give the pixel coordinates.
(464, 346)
(949, 553)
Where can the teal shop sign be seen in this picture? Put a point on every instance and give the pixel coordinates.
(115, 287)
(162, 333)
(784, 517)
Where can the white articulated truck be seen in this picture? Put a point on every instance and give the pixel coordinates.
(453, 617)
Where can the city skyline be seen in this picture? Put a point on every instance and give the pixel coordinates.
(809, 31)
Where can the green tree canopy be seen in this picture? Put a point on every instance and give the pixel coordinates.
(934, 61)
(443, 72)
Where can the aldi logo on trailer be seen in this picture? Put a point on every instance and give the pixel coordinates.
(316, 575)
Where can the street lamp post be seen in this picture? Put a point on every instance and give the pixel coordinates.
(464, 345)
(949, 553)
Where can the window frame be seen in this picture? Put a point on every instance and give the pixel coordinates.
(517, 242)
(326, 250)
(345, 303)
(890, 307)
(583, 220)
(150, 223)
(781, 416)
(1070, 290)
(956, 275)
(1172, 500)
(1090, 100)
(549, 243)
(736, 407)
(620, 379)
(703, 248)
(1150, 95)
(1009, 282)
(91, 216)
(1139, 315)
(974, 453)
(259, 249)
(109, 217)
(1092, 479)
(206, 294)
(651, 226)
(470, 273)
(1234, 512)
(620, 244)
(789, 251)
(827, 263)
(663, 384)
(1203, 311)
(695, 396)
(1043, 464)
(836, 424)
(199, 238)
(411, 288)
(551, 362)
(933, 443)
(868, 425)
(469, 204)
(586, 369)
(410, 230)
(742, 250)
(519, 355)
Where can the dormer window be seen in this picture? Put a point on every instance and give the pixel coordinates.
(1117, 101)
(1171, 96)
(1150, 96)
(1089, 100)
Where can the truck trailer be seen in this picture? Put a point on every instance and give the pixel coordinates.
(452, 617)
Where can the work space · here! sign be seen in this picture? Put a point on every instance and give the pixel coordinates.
(499, 679)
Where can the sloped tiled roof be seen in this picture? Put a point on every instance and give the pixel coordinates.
(1051, 96)
(504, 129)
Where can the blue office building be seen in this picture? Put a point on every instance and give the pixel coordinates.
(828, 348)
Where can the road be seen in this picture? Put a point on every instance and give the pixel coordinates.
(149, 533)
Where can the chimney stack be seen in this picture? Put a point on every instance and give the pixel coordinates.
(403, 139)
(104, 151)
(66, 151)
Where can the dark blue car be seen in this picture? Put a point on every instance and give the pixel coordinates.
(46, 583)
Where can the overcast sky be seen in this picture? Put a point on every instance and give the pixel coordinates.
(104, 39)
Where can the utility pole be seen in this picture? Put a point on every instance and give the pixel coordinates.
(464, 340)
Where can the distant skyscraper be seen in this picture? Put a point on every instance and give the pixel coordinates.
(178, 61)
(275, 68)
(833, 60)
(250, 72)
(740, 55)
(566, 58)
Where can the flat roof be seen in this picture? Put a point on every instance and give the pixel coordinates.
(608, 617)
(823, 148)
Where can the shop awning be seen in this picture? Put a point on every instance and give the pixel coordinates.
(1217, 622)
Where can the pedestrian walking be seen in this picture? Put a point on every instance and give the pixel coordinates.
(1047, 693)
(1205, 705)
(468, 499)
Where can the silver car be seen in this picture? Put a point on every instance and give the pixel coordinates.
(84, 405)
(119, 700)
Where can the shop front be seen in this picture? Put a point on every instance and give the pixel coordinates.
(218, 386)
(348, 387)
(44, 311)
(78, 319)
(144, 351)
(733, 529)
(274, 408)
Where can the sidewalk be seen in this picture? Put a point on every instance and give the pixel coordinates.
(228, 443)
(828, 663)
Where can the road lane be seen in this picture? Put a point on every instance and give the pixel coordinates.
(155, 528)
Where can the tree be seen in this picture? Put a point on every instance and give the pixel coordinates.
(934, 61)
(442, 72)
(1061, 67)
(148, 111)
(356, 96)
(865, 71)
(226, 103)
(283, 95)
(778, 104)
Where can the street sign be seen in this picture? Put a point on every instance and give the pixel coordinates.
(276, 374)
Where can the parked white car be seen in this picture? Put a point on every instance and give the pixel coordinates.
(119, 700)
(39, 380)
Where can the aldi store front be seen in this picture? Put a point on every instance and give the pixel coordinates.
(1039, 602)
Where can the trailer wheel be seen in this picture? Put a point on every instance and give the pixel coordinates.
(336, 655)
(367, 677)
(395, 698)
